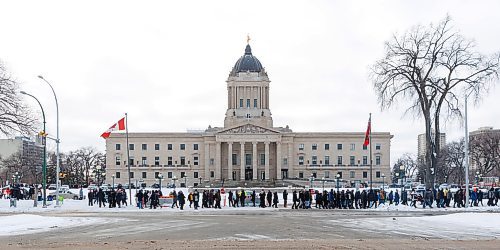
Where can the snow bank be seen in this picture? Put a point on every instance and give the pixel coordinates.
(28, 223)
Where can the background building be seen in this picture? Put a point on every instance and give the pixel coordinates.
(249, 149)
(21, 155)
(422, 143)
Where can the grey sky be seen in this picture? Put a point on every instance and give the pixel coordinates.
(166, 63)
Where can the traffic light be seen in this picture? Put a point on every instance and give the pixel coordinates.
(43, 134)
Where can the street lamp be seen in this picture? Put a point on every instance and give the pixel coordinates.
(337, 177)
(200, 181)
(113, 176)
(323, 180)
(311, 179)
(174, 179)
(160, 177)
(98, 174)
(383, 182)
(44, 141)
(57, 140)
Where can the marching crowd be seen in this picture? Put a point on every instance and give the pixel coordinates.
(300, 199)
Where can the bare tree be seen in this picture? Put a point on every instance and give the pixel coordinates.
(453, 163)
(14, 115)
(408, 163)
(485, 152)
(26, 168)
(431, 68)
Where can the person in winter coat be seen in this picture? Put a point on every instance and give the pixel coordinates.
(275, 199)
(253, 197)
(242, 198)
(269, 198)
(491, 196)
(174, 198)
(262, 197)
(396, 198)
(428, 198)
(140, 197)
(181, 199)
(331, 199)
(480, 197)
(230, 198)
(196, 199)
(473, 197)
(285, 198)
(391, 197)
(319, 198)
(90, 196)
(372, 198)
(357, 199)
(190, 199)
(294, 200)
(217, 199)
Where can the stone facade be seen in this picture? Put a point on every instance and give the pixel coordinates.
(248, 148)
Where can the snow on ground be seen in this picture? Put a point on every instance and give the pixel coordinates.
(450, 226)
(28, 223)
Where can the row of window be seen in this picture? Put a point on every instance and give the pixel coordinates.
(170, 161)
(352, 174)
(340, 146)
(144, 146)
(156, 175)
(340, 160)
(248, 103)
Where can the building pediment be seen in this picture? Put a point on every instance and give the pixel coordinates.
(248, 129)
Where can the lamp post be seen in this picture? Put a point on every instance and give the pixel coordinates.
(337, 177)
(174, 179)
(113, 176)
(323, 180)
(98, 174)
(44, 141)
(466, 148)
(160, 177)
(200, 181)
(57, 140)
(311, 179)
(383, 182)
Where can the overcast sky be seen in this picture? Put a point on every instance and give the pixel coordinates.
(166, 63)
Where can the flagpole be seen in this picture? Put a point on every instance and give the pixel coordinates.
(371, 161)
(128, 160)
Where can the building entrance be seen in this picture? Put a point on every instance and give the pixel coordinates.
(248, 174)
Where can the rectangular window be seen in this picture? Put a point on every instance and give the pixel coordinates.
(365, 147)
(377, 174)
(248, 103)
(195, 175)
(195, 146)
(157, 160)
(339, 146)
(377, 146)
(169, 160)
(301, 146)
(144, 161)
(262, 159)
(377, 160)
(314, 146)
(248, 159)
(241, 103)
(254, 103)
(144, 175)
(314, 175)
(327, 174)
(339, 160)
(327, 146)
(211, 161)
(195, 160)
(183, 174)
(169, 175)
(365, 160)
(169, 146)
(212, 174)
(117, 175)
(144, 146)
(131, 161)
(131, 146)
(285, 161)
(183, 160)
(301, 175)
(315, 160)
(156, 175)
(234, 159)
(157, 146)
(183, 146)
(353, 146)
(117, 160)
(301, 160)
(365, 174)
(339, 174)
(118, 146)
(327, 160)
(131, 175)
(352, 160)
(352, 174)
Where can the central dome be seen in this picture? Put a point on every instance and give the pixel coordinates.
(247, 62)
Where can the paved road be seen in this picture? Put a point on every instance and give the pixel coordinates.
(230, 226)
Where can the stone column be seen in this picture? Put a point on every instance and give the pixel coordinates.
(254, 160)
(230, 161)
(242, 161)
(218, 158)
(267, 159)
(290, 160)
(207, 161)
(279, 161)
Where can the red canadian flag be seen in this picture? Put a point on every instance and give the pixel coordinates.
(120, 125)
(368, 131)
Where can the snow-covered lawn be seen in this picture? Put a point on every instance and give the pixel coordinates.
(28, 223)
